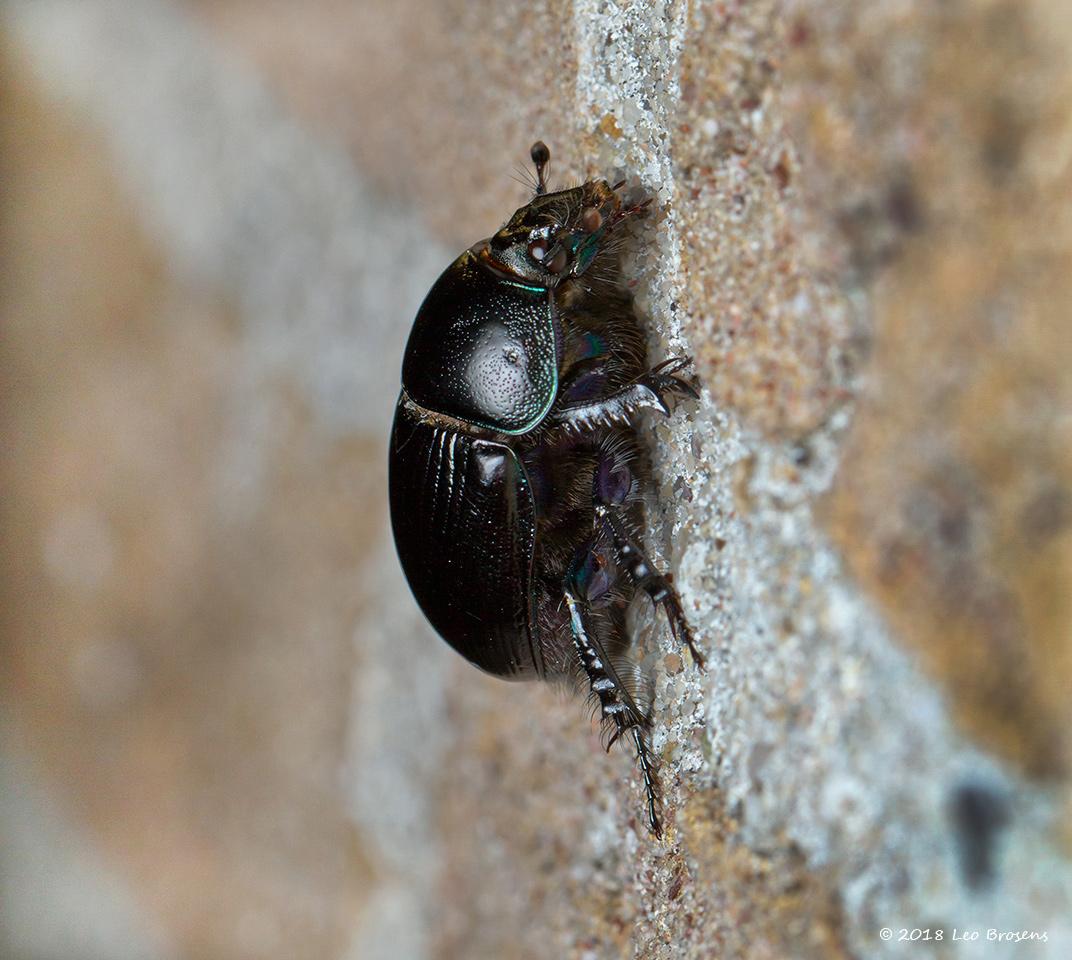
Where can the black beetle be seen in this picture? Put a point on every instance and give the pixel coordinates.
(516, 478)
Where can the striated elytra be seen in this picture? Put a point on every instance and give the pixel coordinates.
(516, 477)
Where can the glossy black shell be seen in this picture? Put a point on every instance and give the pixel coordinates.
(482, 349)
(465, 528)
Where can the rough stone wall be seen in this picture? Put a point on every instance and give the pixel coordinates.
(227, 731)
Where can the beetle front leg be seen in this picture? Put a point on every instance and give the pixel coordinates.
(644, 576)
(615, 701)
(649, 391)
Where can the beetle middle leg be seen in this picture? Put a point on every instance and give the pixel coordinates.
(617, 704)
(644, 576)
(612, 486)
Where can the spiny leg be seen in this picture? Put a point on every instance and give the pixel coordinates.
(643, 574)
(648, 391)
(615, 702)
(651, 783)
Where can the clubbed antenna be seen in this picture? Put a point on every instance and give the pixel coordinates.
(541, 156)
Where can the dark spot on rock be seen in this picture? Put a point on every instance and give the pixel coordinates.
(979, 814)
(903, 206)
(1003, 139)
(781, 172)
(676, 884)
(1046, 514)
(799, 33)
(893, 555)
(954, 525)
(801, 454)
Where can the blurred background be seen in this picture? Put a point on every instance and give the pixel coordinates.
(226, 731)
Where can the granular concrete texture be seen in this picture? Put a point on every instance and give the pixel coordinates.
(860, 231)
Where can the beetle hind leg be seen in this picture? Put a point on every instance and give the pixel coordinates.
(617, 705)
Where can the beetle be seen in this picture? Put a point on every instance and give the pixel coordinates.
(516, 475)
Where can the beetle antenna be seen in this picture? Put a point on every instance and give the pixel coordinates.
(541, 156)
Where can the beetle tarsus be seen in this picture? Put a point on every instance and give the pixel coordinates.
(616, 704)
(651, 782)
(663, 379)
(644, 576)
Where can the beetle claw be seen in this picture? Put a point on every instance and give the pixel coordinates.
(662, 383)
(681, 631)
(687, 388)
(672, 365)
(656, 391)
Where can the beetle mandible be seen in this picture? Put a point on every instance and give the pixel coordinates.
(516, 474)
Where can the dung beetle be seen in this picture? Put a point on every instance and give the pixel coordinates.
(517, 478)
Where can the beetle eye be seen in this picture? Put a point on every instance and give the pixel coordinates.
(558, 262)
(538, 250)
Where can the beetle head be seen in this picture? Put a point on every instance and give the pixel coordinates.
(557, 235)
